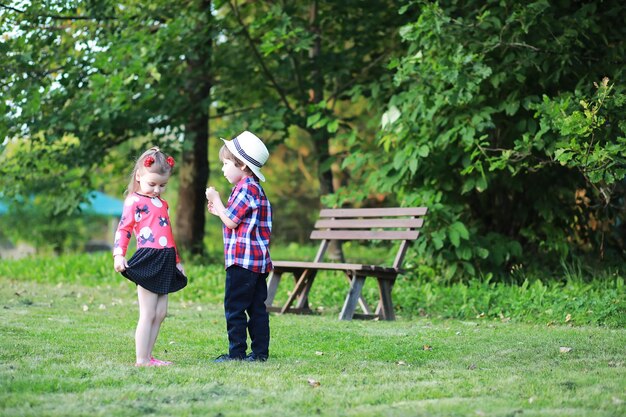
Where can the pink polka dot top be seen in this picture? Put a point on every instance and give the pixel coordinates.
(149, 219)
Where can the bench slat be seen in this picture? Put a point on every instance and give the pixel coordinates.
(368, 223)
(374, 212)
(330, 266)
(365, 234)
(375, 270)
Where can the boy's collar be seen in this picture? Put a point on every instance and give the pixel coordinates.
(245, 179)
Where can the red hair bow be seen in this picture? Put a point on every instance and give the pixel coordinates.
(170, 161)
(148, 161)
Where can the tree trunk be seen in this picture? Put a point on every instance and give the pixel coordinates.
(194, 171)
(194, 175)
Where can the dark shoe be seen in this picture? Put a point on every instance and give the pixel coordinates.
(226, 358)
(253, 358)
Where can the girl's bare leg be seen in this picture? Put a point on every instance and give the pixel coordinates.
(160, 313)
(147, 312)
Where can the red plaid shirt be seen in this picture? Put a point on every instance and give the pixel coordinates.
(248, 244)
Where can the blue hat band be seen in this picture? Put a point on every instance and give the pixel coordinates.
(245, 155)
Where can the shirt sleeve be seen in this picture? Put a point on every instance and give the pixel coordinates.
(239, 206)
(124, 229)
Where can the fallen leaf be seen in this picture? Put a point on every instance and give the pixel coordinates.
(313, 383)
(401, 363)
(318, 353)
(564, 349)
(568, 318)
(428, 347)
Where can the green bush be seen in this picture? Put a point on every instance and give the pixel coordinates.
(505, 119)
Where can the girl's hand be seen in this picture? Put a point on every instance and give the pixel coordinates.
(179, 266)
(211, 208)
(119, 263)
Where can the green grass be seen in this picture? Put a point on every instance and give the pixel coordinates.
(66, 349)
(575, 300)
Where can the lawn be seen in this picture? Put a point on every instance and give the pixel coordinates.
(67, 350)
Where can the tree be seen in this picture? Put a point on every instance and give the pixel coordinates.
(499, 121)
(306, 58)
(311, 64)
(85, 77)
(81, 78)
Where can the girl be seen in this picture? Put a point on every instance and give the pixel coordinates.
(156, 266)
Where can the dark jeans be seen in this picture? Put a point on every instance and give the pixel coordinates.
(246, 292)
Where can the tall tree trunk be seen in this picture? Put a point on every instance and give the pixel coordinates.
(194, 175)
(194, 172)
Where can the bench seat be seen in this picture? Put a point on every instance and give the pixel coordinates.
(356, 269)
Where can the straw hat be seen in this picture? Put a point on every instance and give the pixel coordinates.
(250, 150)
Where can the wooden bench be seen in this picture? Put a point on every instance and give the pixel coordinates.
(396, 224)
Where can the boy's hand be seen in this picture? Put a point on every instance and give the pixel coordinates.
(212, 194)
(119, 263)
(216, 207)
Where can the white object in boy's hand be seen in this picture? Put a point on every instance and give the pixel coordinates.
(210, 194)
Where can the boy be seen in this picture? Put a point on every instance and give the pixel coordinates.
(247, 227)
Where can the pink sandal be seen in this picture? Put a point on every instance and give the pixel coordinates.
(154, 362)
(158, 362)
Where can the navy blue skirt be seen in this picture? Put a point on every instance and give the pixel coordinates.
(155, 270)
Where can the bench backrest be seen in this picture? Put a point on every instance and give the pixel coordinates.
(397, 223)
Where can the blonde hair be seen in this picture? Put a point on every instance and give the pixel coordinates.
(162, 165)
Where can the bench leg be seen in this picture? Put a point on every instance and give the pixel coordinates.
(385, 306)
(303, 298)
(362, 302)
(298, 289)
(272, 286)
(352, 298)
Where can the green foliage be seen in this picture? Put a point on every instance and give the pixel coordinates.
(586, 298)
(600, 302)
(497, 122)
(81, 78)
(482, 108)
(46, 170)
(590, 136)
